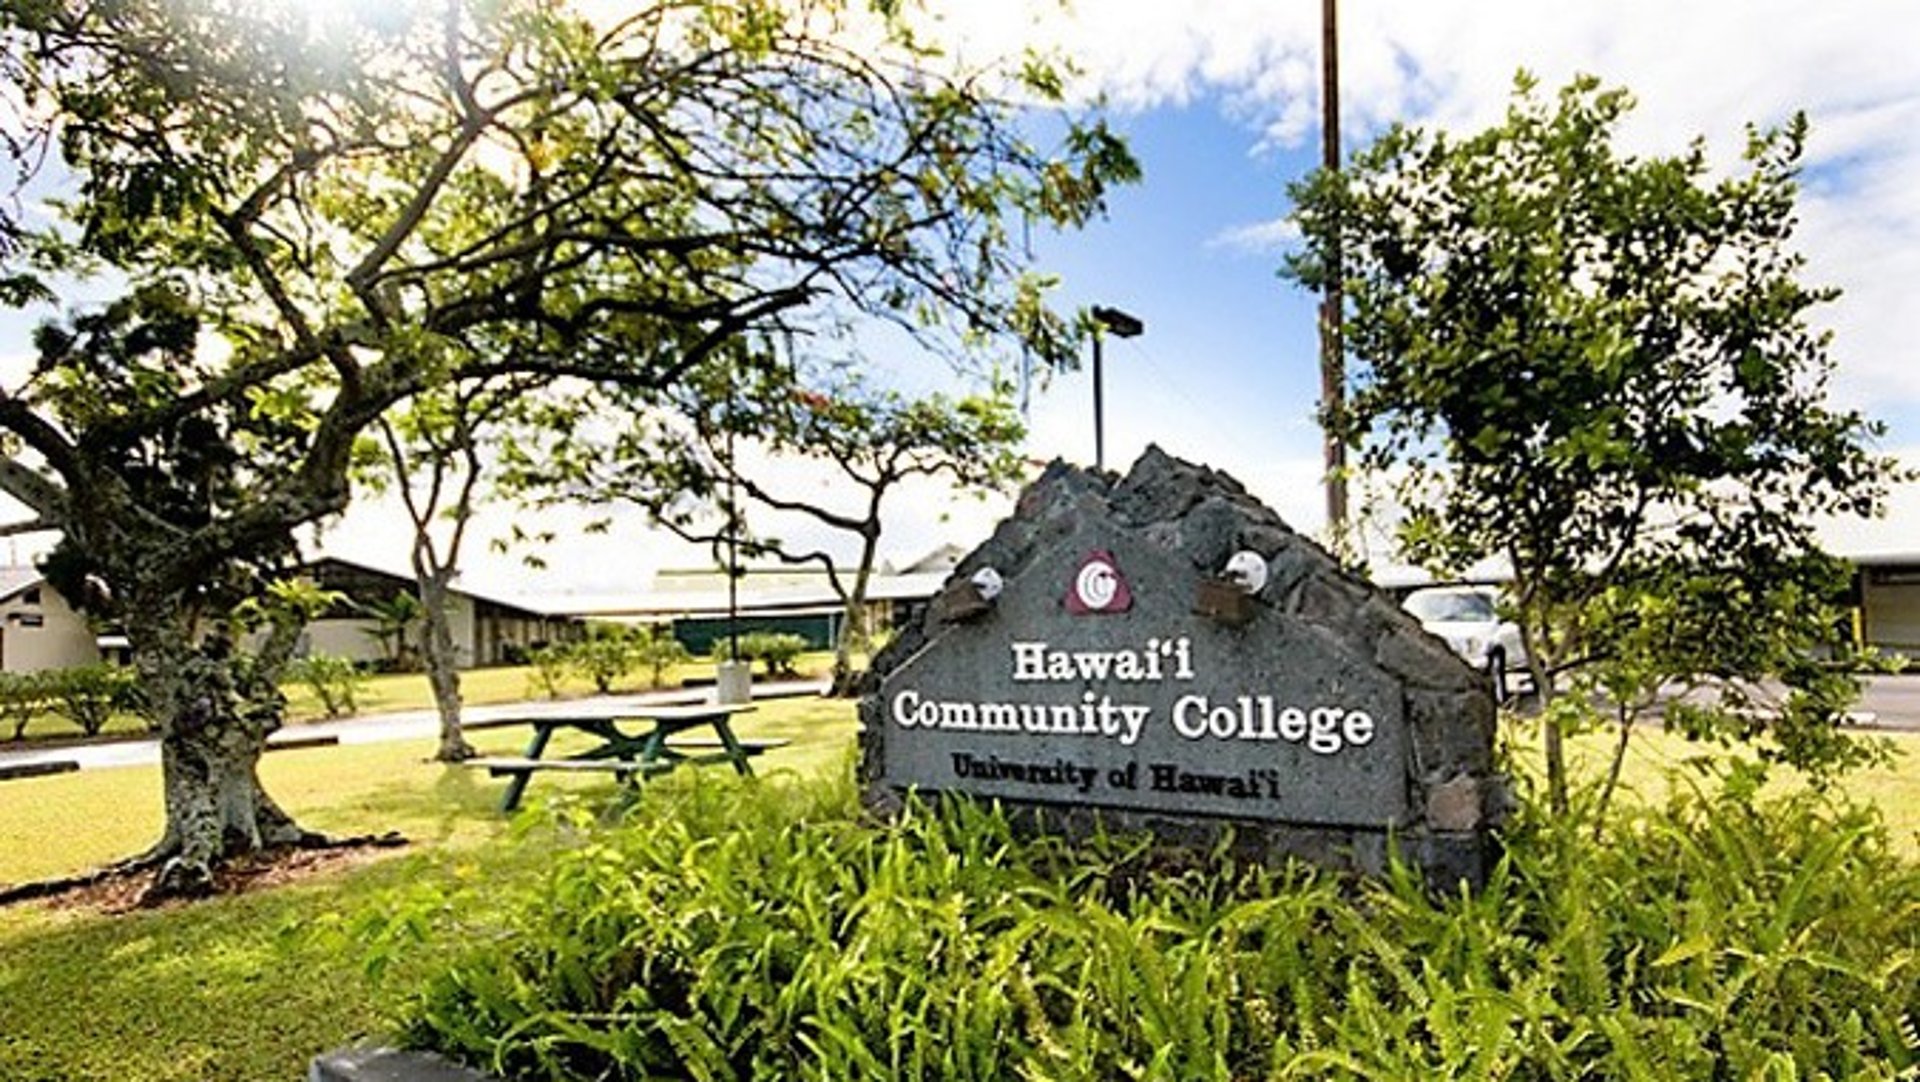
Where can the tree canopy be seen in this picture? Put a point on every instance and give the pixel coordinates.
(1601, 367)
(703, 461)
(322, 211)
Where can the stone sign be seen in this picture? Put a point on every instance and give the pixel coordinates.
(1163, 653)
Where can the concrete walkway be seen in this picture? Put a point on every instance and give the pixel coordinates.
(421, 725)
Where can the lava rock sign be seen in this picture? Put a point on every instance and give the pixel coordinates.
(1082, 665)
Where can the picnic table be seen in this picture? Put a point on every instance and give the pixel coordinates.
(633, 743)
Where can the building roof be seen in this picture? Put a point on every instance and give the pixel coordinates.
(16, 578)
(405, 580)
(687, 593)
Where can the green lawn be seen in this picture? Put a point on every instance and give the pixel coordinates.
(1656, 759)
(232, 988)
(240, 988)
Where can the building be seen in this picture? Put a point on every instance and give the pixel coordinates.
(39, 630)
(486, 630)
(797, 600)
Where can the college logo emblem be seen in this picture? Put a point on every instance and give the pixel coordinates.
(1098, 586)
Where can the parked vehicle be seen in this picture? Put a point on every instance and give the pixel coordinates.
(1468, 618)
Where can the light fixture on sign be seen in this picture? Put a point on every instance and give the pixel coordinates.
(1227, 598)
(1246, 569)
(963, 600)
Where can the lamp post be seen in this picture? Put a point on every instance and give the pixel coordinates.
(1121, 325)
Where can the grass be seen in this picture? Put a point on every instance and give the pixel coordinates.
(153, 997)
(1656, 760)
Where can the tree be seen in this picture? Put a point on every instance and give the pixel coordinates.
(430, 454)
(360, 206)
(1600, 367)
(682, 460)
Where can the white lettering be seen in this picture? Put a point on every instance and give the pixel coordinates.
(1359, 728)
(904, 705)
(1000, 717)
(1293, 724)
(1035, 662)
(1182, 724)
(1093, 665)
(1221, 722)
(1028, 661)
(1324, 733)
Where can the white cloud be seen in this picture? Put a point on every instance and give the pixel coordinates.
(1708, 69)
(1276, 235)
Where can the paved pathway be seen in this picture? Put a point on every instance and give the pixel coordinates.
(1891, 702)
(422, 725)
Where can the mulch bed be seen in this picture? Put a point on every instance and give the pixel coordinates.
(123, 891)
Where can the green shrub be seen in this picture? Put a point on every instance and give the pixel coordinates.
(761, 932)
(776, 650)
(88, 695)
(606, 655)
(23, 697)
(657, 650)
(549, 672)
(335, 681)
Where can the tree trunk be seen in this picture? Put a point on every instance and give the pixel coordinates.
(214, 716)
(443, 666)
(845, 682)
(1625, 717)
(1540, 665)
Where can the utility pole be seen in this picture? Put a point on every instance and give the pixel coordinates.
(1333, 373)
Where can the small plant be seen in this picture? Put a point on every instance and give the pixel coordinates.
(23, 697)
(88, 695)
(335, 681)
(550, 664)
(394, 621)
(606, 655)
(657, 650)
(776, 650)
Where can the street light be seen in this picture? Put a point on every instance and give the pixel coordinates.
(1121, 325)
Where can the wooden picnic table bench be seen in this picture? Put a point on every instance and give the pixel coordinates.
(657, 748)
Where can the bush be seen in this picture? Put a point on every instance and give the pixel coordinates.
(658, 651)
(23, 697)
(550, 664)
(88, 695)
(776, 650)
(606, 655)
(335, 681)
(768, 932)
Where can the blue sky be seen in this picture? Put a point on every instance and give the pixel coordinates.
(1229, 360)
(1220, 100)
